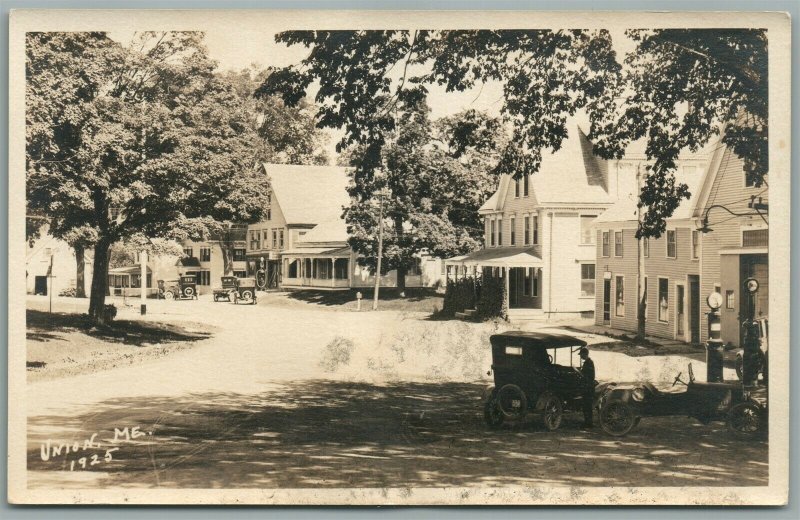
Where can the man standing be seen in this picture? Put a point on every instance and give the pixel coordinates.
(587, 371)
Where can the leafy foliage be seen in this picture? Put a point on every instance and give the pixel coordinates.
(459, 295)
(492, 299)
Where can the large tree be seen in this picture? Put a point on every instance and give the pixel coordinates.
(433, 179)
(151, 141)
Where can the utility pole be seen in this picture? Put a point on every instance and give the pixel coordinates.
(641, 302)
(381, 194)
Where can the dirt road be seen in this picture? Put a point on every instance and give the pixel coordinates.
(306, 396)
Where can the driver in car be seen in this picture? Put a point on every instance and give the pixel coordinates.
(587, 371)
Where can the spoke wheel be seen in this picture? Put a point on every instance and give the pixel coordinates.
(512, 402)
(552, 412)
(492, 414)
(617, 418)
(745, 420)
(169, 295)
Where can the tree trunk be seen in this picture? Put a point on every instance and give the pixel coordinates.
(227, 257)
(80, 260)
(99, 282)
(401, 281)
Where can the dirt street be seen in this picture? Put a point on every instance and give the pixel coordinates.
(304, 396)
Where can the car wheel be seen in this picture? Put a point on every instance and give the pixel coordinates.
(617, 418)
(552, 412)
(169, 295)
(746, 420)
(492, 414)
(247, 295)
(512, 402)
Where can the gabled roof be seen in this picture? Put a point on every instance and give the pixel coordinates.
(309, 194)
(326, 232)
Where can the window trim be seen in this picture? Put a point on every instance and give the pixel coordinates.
(658, 300)
(527, 229)
(621, 244)
(666, 240)
(535, 228)
(500, 232)
(646, 247)
(695, 248)
(616, 290)
(516, 188)
(593, 279)
(493, 237)
(513, 234)
(607, 236)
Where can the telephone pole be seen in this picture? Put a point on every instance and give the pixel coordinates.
(381, 195)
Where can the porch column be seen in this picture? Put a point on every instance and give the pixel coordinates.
(508, 288)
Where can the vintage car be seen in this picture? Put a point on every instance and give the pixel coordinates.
(245, 291)
(528, 378)
(228, 290)
(762, 356)
(623, 405)
(184, 288)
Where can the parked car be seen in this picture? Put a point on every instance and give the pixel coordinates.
(245, 291)
(528, 378)
(763, 352)
(623, 405)
(184, 288)
(228, 290)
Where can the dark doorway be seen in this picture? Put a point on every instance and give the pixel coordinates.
(680, 312)
(694, 308)
(607, 300)
(40, 285)
(523, 288)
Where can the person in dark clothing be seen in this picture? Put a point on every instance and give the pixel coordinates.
(587, 371)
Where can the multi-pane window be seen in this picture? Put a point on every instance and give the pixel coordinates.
(341, 268)
(513, 231)
(587, 235)
(755, 237)
(516, 188)
(188, 251)
(415, 269)
(526, 287)
(695, 244)
(535, 285)
(274, 239)
(535, 226)
(493, 224)
(663, 300)
(646, 246)
(240, 274)
(605, 250)
(527, 234)
(255, 239)
(619, 307)
(239, 254)
(205, 254)
(587, 279)
(202, 277)
(269, 214)
(617, 243)
(730, 299)
(525, 183)
(499, 232)
(280, 239)
(672, 244)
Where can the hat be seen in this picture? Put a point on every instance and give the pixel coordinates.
(583, 351)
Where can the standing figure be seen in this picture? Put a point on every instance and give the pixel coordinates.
(587, 370)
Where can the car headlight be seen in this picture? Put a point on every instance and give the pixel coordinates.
(638, 394)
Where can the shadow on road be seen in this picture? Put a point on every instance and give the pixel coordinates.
(339, 434)
(338, 298)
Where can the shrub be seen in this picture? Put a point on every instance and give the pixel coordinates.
(492, 301)
(460, 295)
(337, 353)
(110, 312)
(70, 292)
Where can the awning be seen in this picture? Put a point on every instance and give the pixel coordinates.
(499, 257)
(304, 251)
(133, 269)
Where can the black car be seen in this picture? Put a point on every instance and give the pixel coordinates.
(529, 379)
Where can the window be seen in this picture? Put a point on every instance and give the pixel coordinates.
(617, 243)
(493, 224)
(730, 299)
(755, 237)
(239, 254)
(587, 235)
(646, 246)
(605, 250)
(269, 213)
(535, 226)
(516, 188)
(205, 254)
(619, 307)
(499, 232)
(201, 277)
(240, 274)
(513, 231)
(415, 269)
(274, 239)
(695, 244)
(663, 300)
(535, 286)
(672, 245)
(525, 185)
(255, 239)
(587, 279)
(188, 251)
(341, 268)
(527, 225)
(280, 239)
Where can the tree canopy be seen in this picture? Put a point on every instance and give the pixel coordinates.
(677, 89)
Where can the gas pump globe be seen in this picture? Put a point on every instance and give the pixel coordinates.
(714, 344)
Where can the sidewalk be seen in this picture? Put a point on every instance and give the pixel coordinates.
(660, 345)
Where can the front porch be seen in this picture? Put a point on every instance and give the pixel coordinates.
(316, 268)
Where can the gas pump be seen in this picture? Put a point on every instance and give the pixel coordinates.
(714, 345)
(751, 337)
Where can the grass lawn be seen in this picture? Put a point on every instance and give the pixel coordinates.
(415, 300)
(64, 344)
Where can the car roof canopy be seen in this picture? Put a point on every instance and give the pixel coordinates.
(540, 340)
